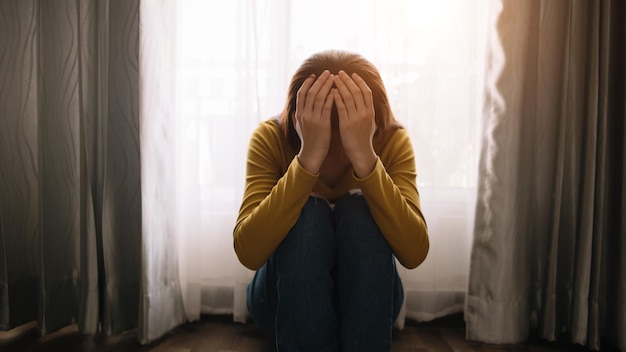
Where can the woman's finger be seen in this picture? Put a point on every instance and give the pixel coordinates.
(301, 95)
(345, 93)
(311, 94)
(341, 106)
(322, 95)
(357, 95)
(328, 106)
(368, 99)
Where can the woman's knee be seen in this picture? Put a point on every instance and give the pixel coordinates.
(312, 236)
(356, 227)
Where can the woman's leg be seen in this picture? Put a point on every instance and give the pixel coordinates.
(368, 284)
(294, 289)
(398, 293)
(262, 299)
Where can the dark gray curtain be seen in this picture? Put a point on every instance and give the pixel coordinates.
(75, 240)
(550, 229)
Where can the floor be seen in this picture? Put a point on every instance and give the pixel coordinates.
(219, 334)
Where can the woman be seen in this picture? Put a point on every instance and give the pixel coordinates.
(330, 201)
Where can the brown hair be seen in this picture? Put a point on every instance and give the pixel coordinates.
(334, 61)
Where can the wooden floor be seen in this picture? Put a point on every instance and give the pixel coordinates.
(218, 334)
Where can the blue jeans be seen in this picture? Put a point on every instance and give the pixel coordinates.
(331, 285)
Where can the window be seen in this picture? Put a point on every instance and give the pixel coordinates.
(235, 61)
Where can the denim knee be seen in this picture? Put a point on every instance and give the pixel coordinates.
(356, 225)
(305, 315)
(366, 276)
(312, 233)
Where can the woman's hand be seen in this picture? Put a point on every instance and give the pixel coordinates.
(312, 120)
(357, 125)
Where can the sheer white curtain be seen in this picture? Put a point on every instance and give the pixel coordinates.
(235, 61)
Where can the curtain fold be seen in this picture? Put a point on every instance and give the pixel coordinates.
(19, 160)
(549, 233)
(90, 149)
(58, 121)
(161, 305)
(77, 211)
(121, 189)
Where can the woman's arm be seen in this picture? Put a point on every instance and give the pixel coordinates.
(389, 189)
(391, 193)
(271, 202)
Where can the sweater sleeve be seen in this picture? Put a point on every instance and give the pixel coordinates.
(271, 202)
(393, 199)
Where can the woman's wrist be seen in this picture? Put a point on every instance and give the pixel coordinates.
(364, 165)
(311, 164)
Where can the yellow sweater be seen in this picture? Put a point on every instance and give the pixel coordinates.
(277, 187)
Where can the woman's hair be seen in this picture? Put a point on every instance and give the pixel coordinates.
(334, 61)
